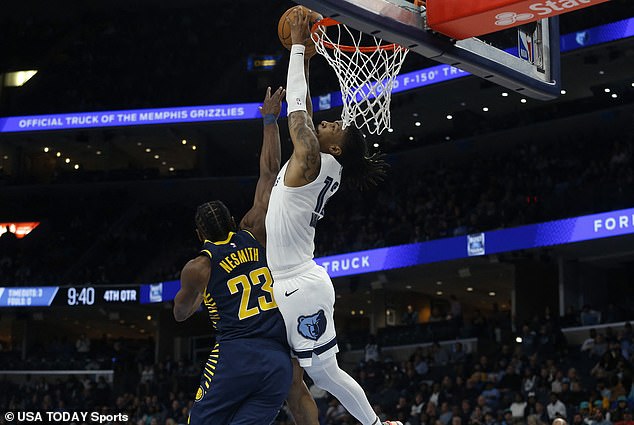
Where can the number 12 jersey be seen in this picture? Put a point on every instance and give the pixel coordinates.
(293, 214)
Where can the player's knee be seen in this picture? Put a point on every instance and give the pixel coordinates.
(319, 377)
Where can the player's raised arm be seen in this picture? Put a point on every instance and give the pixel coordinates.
(194, 279)
(305, 161)
(270, 159)
(309, 101)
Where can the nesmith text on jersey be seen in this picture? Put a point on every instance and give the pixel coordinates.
(360, 262)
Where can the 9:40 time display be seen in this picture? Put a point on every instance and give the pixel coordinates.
(99, 295)
(81, 296)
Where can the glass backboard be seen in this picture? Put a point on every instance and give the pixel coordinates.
(531, 67)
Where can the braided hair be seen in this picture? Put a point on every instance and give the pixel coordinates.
(361, 170)
(214, 221)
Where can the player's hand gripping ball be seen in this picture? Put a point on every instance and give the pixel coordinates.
(284, 29)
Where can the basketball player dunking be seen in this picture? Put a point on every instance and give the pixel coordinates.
(303, 290)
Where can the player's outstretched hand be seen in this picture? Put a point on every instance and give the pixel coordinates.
(299, 22)
(272, 104)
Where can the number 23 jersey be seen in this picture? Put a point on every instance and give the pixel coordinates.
(239, 295)
(293, 214)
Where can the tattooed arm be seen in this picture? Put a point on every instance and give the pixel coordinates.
(305, 161)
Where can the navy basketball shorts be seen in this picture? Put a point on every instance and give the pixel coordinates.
(306, 299)
(244, 382)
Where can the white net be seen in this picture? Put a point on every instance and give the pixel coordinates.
(366, 67)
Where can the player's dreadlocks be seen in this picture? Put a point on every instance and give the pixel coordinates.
(360, 169)
(214, 221)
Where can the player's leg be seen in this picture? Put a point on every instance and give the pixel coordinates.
(301, 403)
(269, 385)
(217, 398)
(324, 370)
(326, 374)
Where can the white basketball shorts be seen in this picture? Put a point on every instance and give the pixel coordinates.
(306, 299)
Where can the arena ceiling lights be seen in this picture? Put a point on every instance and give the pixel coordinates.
(18, 78)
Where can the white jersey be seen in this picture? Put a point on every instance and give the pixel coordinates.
(293, 214)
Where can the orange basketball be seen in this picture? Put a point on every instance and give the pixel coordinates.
(284, 30)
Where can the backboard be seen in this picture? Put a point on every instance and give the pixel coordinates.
(532, 68)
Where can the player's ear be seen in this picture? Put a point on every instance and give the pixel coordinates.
(200, 237)
(334, 149)
(233, 224)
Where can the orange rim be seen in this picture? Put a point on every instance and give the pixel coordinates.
(329, 22)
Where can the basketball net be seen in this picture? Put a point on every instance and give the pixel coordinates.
(366, 73)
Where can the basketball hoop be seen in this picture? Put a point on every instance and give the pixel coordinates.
(366, 72)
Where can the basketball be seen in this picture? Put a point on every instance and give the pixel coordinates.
(284, 30)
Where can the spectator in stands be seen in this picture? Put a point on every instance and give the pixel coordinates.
(455, 310)
(599, 348)
(8, 244)
(556, 384)
(625, 343)
(619, 410)
(598, 418)
(441, 357)
(372, 350)
(410, 317)
(529, 381)
(571, 317)
(556, 409)
(585, 411)
(507, 418)
(518, 407)
(511, 381)
(531, 405)
(489, 419)
(465, 410)
(436, 315)
(611, 314)
(417, 408)
(479, 323)
(445, 413)
(627, 418)
(546, 341)
(571, 392)
(528, 340)
(402, 407)
(457, 355)
(477, 416)
(437, 396)
(492, 396)
(82, 345)
(589, 317)
(421, 364)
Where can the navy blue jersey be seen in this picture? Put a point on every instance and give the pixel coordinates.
(239, 295)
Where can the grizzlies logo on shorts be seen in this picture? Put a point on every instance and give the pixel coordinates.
(312, 327)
